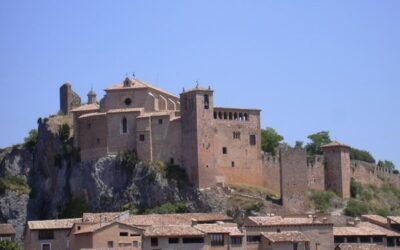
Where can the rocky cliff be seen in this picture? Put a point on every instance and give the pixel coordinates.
(47, 181)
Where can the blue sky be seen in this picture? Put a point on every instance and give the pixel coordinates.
(309, 65)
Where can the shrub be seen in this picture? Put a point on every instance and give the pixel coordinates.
(14, 183)
(175, 172)
(322, 201)
(8, 245)
(74, 209)
(356, 208)
(127, 159)
(356, 188)
(31, 141)
(169, 208)
(64, 133)
(361, 155)
(131, 208)
(270, 140)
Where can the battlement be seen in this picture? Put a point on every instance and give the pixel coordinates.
(270, 160)
(315, 161)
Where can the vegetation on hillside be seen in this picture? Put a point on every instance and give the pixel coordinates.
(270, 140)
(386, 164)
(75, 209)
(14, 183)
(30, 142)
(374, 200)
(361, 155)
(169, 208)
(325, 201)
(8, 245)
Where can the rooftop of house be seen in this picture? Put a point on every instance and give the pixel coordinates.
(394, 219)
(176, 219)
(359, 246)
(373, 218)
(229, 228)
(172, 230)
(87, 107)
(91, 228)
(7, 229)
(282, 221)
(286, 237)
(364, 229)
(102, 217)
(53, 224)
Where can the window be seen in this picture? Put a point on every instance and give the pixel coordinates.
(377, 239)
(215, 115)
(173, 240)
(89, 126)
(123, 234)
(135, 244)
(225, 116)
(124, 125)
(236, 240)
(192, 240)
(233, 164)
(224, 150)
(253, 239)
(296, 246)
(46, 234)
(172, 161)
(246, 117)
(339, 239)
(253, 140)
(236, 135)
(278, 230)
(154, 242)
(110, 244)
(390, 242)
(98, 140)
(230, 116)
(352, 239)
(365, 239)
(141, 137)
(160, 121)
(217, 239)
(128, 101)
(46, 246)
(206, 101)
(220, 115)
(79, 228)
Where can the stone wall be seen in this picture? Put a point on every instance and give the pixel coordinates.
(93, 136)
(316, 173)
(271, 173)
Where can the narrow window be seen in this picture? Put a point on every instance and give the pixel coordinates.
(224, 150)
(253, 140)
(160, 121)
(154, 242)
(236, 241)
(220, 115)
(240, 116)
(98, 140)
(235, 116)
(89, 125)
(215, 115)
(206, 102)
(123, 234)
(172, 161)
(295, 246)
(233, 164)
(110, 244)
(46, 246)
(141, 137)
(124, 125)
(246, 117)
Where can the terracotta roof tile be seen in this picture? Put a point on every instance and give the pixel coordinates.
(230, 229)
(288, 236)
(87, 107)
(395, 219)
(101, 217)
(127, 110)
(138, 84)
(285, 221)
(53, 224)
(375, 218)
(335, 144)
(359, 246)
(7, 229)
(177, 230)
(364, 229)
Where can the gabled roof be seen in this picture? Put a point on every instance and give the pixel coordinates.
(7, 229)
(394, 219)
(285, 237)
(91, 228)
(53, 224)
(101, 217)
(230, 229)
(87, 107)
(364, 229)
(138, 84)
(377, 219)
(359, 246)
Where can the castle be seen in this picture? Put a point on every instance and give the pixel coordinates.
(215, 145)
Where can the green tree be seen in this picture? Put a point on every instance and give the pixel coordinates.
(270, 140)
(31, 141)
(299, 144)
(361, 155)
(386, 164)
(356, 208)
(317, 140)
(8, 245)
(75, 209)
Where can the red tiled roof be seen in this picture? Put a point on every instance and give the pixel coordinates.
(288, 236)
(53, 224)
(176, 230)
(7, 229)
(359, 246)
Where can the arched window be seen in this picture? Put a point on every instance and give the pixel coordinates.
(230, 116)
(220, 115)
(225, 115)
(240, 116)
(124, 125)
(235, 116)
(246, 117)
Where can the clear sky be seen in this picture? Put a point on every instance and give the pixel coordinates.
(309, 65)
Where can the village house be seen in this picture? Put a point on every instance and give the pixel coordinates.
(7, 232)
(372, 230)
(300, 232)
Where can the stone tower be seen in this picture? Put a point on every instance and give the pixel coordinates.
(294, 183)
(337, 168)
(197, 142)
(68, 99)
